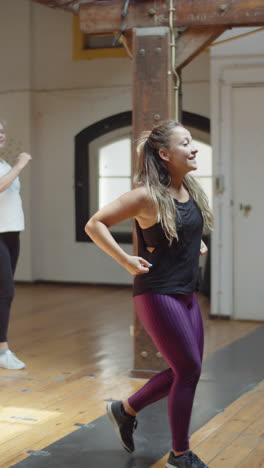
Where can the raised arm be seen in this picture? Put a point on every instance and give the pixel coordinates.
(6, 180)
(129, 205)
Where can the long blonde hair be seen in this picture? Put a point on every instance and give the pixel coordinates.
(153, 172)
(3, 123)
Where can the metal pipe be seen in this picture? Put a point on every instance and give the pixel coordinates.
(173, 52)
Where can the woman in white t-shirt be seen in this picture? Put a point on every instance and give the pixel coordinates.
(11, 223)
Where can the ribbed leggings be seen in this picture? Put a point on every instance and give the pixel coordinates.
(174, 324)
(9, 252)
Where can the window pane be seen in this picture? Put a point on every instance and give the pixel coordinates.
(115, 159)
(204, 159)
(207, 184)
(100, 41)
(111, 188)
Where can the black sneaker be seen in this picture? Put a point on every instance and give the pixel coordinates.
(187, 460)
(124, 425)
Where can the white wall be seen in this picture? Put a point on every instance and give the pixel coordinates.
(245, 45)
(68, 96)
(15, 102)
(196, 85)
(48, 98)
(58, 117)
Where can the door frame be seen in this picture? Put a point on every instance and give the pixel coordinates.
(224, 78)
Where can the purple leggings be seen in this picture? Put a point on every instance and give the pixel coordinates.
(175, 325)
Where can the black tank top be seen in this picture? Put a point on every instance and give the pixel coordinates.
(175, 267)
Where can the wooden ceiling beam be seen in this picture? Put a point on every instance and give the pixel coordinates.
(106, 15)
(194, 40)
(226, 12)
(70, 5)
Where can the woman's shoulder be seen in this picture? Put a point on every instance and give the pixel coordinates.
(141, 193)
(143, 198)
(147, 213)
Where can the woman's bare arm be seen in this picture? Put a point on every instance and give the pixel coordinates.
(129, 205)
(6, 180)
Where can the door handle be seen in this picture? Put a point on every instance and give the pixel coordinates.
(245, 208)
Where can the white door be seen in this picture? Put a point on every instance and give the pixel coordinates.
(247, 136)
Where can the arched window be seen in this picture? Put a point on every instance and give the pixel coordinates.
(110, 174)
(97, 180)
(103, 167)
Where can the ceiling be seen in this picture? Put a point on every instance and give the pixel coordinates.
(70, 5)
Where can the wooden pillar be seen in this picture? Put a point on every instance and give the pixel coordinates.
(153, 101)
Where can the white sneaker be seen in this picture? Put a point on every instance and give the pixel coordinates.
(8, 360)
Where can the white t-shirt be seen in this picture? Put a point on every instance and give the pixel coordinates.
(11, 211)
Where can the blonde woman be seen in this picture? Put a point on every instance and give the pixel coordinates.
(11, 223)
(171, 212)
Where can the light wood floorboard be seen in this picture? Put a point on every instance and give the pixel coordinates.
(75, 341)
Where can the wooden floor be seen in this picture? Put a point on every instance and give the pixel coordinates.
(77, 346)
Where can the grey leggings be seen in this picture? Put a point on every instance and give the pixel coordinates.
(9, 252)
